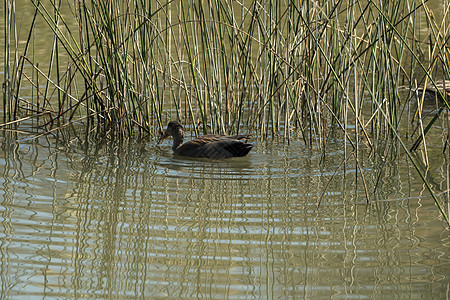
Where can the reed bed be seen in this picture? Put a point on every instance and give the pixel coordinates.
(289, 69)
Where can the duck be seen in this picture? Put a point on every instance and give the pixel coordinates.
(213, 146)
(431, 90)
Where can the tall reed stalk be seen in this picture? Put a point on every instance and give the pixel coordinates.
(277, 68)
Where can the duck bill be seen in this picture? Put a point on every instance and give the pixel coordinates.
(163, 137)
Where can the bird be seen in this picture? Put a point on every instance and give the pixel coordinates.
(214, 146)
(431, 90)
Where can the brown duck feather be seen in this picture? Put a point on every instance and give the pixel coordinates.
(208, 146)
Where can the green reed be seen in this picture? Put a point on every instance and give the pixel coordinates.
(223, 65)
(312, 70)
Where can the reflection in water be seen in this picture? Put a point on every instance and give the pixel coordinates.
(126, 222)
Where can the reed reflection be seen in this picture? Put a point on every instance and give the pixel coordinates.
(128, 221)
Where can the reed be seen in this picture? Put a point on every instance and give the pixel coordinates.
(276, 68)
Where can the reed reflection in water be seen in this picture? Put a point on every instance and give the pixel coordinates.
(127, 222)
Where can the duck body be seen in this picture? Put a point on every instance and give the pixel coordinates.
(432, 90)
(207, 146)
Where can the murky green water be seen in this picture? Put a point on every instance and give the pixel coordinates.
(134, 221)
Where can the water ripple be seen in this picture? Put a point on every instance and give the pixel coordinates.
(146, 223)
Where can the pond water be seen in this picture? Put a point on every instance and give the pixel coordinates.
(105, 220)
(127, 221)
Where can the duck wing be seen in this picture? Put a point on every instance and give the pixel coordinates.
(216, 146)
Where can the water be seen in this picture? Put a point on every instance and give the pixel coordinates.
(125, 221)
(134, 221)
